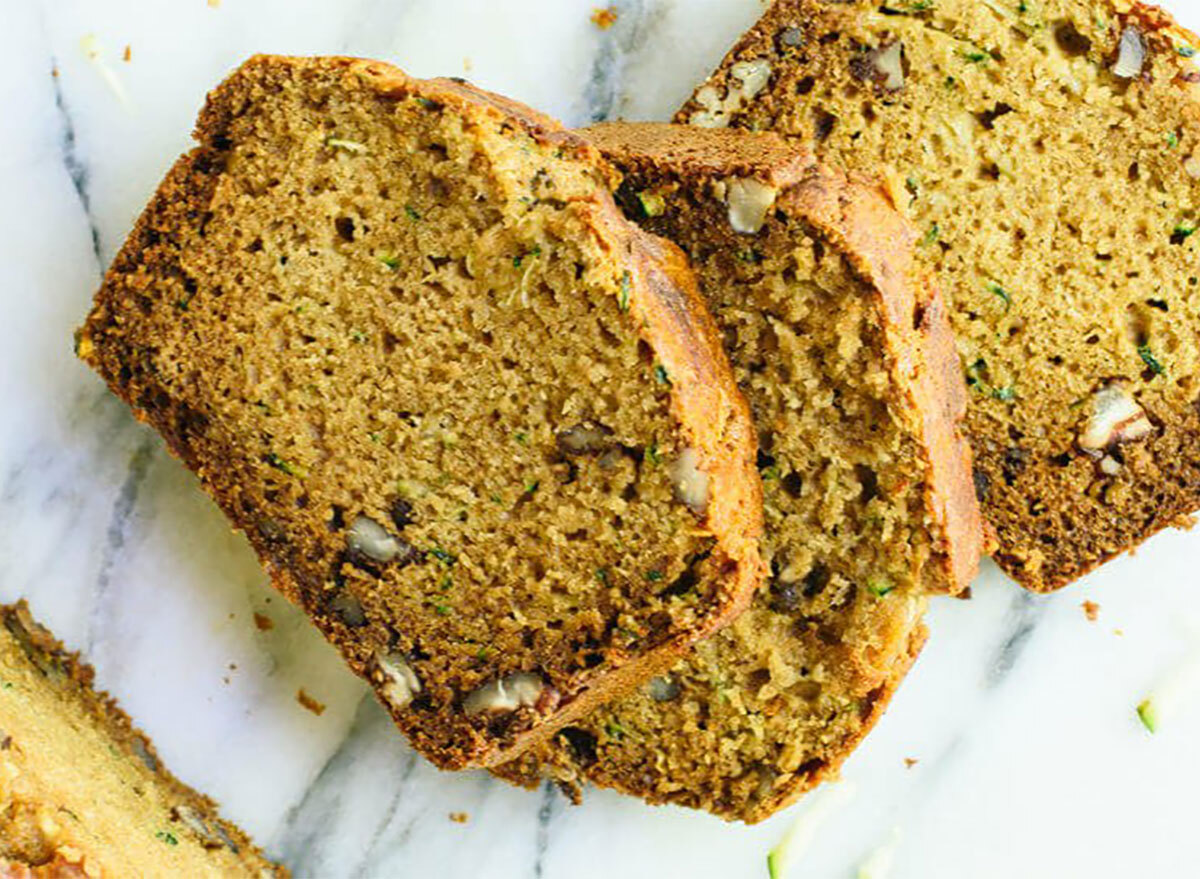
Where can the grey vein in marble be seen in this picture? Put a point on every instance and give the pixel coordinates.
(118, 526)
(545, 817)
(603, 87)
(302, 844)
(76, 169)
(1024, 614)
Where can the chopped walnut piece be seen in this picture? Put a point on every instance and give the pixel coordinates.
(520, 690)
(882, 66)
(1115, 418)
(1131, 53)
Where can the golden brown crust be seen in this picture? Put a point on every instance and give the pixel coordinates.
(711, 410)
(664, 309)
(192, 816)
(953, 503)
(855, 213)
(1159, 23)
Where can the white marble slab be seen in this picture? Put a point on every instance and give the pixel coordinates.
(1020, 712)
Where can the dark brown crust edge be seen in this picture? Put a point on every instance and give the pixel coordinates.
(43, 648)
(711, 412)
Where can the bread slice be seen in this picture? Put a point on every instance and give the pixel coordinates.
(476, 424)
(82, 792)
(1049, 154)
(845, 355)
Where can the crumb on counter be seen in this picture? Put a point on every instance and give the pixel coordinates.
(309, 703)
(459, 817)
(1091, 610)
(263, 622)
(604, 18)
(127, 55)
(965, 594)
(910, 762)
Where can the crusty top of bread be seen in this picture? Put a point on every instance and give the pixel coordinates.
(1049, 154)
(855, 214)
(82, 791)
(841, 346)
(474, 422)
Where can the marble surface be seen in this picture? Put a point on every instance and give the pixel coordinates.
(1020, 713)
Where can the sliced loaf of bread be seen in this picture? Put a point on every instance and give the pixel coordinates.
(845, 354)
(82, 793)
(475, 423)
(1048, 152)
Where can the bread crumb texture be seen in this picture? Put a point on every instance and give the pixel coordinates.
(1048, 153)
(82, 792)
(816, 306)
(403, 335)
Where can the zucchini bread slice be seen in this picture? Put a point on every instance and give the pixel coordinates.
(845, 355)
(82, 792)
(475, 423)
(1049, 153)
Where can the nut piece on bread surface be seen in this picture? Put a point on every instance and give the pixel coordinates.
(82, 793)
(844, 350)
(413, 350)
(1047, 154)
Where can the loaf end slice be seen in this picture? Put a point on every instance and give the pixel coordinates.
(842, 347)
(82, 791)
(1049, 155)
(473, 422)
